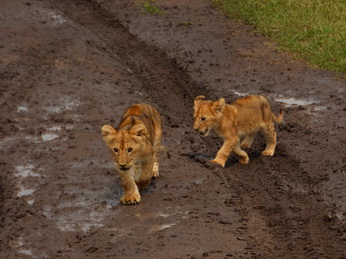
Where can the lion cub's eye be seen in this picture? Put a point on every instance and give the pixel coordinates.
(115, 150)
(129, 149)
(203, 118)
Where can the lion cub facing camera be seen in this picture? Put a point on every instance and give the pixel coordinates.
(241, 119)
(135, 146)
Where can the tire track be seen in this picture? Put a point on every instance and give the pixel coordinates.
(164, 81)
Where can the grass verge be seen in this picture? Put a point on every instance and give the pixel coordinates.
(314, 30)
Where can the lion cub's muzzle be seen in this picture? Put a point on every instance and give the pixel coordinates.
(123, 167)
(203, 133)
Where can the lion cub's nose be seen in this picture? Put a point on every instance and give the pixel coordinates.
(122, 165)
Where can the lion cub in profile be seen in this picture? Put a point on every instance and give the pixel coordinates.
(241, 119)
(135, 145)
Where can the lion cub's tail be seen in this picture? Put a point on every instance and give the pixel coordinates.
(279, 118)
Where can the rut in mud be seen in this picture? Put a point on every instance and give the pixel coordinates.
(271, 208)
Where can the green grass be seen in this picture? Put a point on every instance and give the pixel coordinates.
(313, 30)
(184, 24)
(150, 8)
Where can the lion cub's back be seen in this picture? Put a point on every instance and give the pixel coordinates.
(252, 101)
(254, 110)
(150, 117)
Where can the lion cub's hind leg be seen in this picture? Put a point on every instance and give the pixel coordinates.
(270, 136)
(159, 150)
(247, 142)
(156, 168)
(244, 158)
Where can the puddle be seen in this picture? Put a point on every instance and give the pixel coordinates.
(165, 215)
(198, 181)
(139, 93)
(30, 202)
(25, 192)
(19, 244)
(341, 215)
(25, 171)
(25, 252)
(81, 213)
(113, 201)
(170, 211)
(22, 109)
(7, 140)
(87, 227)
(49, 136)
(162, 227)
(53, 18)
(79, 219)
(320, 108)
(239, 93)
(57, 19)
(35, 140)
(54, 128)
(290, 101)
(65, 104)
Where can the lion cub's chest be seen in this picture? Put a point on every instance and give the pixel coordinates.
(140, 165)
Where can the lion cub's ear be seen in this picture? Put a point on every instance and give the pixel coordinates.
(198, 101)
(219, 105)
(108, 133)
(138, 130)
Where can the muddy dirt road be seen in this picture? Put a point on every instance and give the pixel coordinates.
(69, 67)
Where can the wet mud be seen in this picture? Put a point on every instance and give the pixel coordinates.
(69, 67)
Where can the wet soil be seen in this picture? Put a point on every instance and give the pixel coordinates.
(69, 67)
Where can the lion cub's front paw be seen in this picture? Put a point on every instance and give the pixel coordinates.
(218, 162)
(267, 152)
(133, 198)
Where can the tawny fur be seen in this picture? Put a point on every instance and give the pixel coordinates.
(233, 122)
(135, 145)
